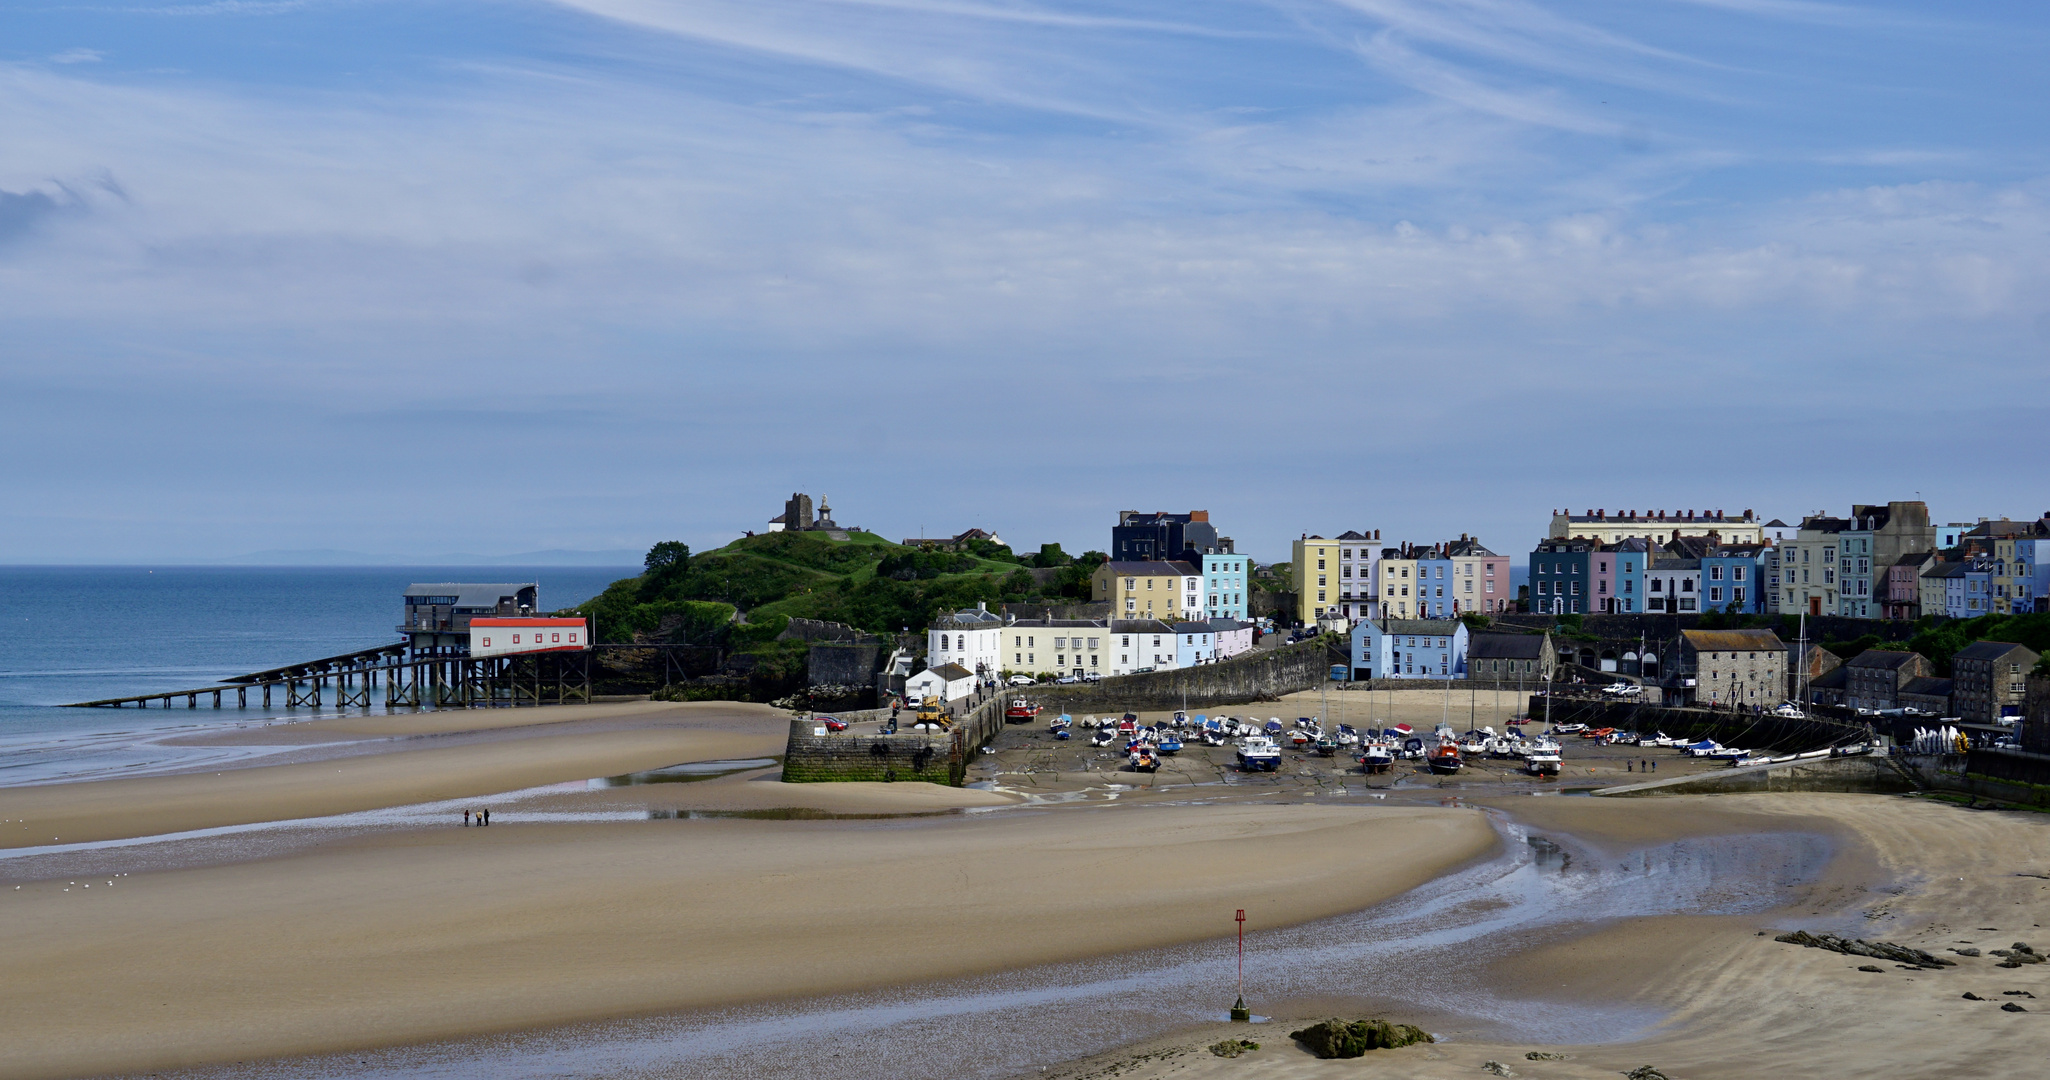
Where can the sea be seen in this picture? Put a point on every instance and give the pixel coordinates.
(83, 633)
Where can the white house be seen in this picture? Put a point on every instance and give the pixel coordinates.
(1233, 636)
(972, 637)
(949, 682)
(1673, 586)
(1142, 645)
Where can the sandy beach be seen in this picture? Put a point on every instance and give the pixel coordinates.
(393, 761)
(687, 888)
(1738, 1004)
(370, 940)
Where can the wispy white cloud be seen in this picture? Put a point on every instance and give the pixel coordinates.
(78, 56)
(1383, 189)
(1817, 13)
(1546, 108)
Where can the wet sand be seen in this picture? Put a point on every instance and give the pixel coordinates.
(1738, 1004)
(436, 934)
(504, 751)
(567, 911)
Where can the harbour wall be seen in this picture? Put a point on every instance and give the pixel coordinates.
(1259, 675)
(1778, 734)
(813, 755)
(1864, 773)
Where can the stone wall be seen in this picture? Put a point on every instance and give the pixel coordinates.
(1778, 734)
(1865, 773)
(936, 758)
(1260, 675)
(842, 663)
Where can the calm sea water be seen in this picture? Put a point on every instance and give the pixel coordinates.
(81, 633)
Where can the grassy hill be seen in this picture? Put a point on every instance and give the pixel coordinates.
(863, 581)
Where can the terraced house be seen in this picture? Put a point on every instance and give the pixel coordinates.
(1409, 649)
(1150, 589)
(1334, 578)
(1057, 647)
(1562, 576)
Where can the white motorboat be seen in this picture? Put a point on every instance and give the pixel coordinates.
(1258, 753)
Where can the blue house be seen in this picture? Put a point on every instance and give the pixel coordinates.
(1731, 576)
(1630, 558)
(2031, 574)
(1224, 586)
(1409, 649)
(1194, 643)
(1434, 571)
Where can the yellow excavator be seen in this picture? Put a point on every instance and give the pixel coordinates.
(930, 711)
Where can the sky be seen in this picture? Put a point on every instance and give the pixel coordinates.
(498, 276)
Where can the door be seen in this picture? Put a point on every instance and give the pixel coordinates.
(1815, 605)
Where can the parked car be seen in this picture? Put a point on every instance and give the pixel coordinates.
(1066, 680)
(833, 723)
(1092, 677)
(1021, 680)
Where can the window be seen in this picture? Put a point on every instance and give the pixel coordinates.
(1737, 574)
(1715, 573)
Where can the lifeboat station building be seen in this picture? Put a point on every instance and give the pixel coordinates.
(438, 614)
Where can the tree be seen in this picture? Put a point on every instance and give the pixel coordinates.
(1050, 556)
(667, 554)
(667, 565)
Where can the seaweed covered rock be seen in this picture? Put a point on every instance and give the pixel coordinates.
(1645, 1072)
(1231, 1048)
(1335, 1038)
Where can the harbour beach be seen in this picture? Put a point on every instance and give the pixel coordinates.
(357, 915)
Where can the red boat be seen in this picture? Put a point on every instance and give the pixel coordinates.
(1021, 711)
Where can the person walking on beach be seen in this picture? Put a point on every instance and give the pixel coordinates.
(1626, 765)
(487, 815)
(466, 819)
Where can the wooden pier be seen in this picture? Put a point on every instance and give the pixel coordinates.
(353, 679)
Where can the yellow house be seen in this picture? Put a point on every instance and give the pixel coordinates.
(1169, 591)
(1396, 574)
(1316, 578)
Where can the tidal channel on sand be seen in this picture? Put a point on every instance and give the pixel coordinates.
(1426, 951)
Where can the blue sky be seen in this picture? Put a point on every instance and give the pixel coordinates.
(503, 276)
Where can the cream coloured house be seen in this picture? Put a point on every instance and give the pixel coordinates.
(1057, 647)
(1171, 591)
